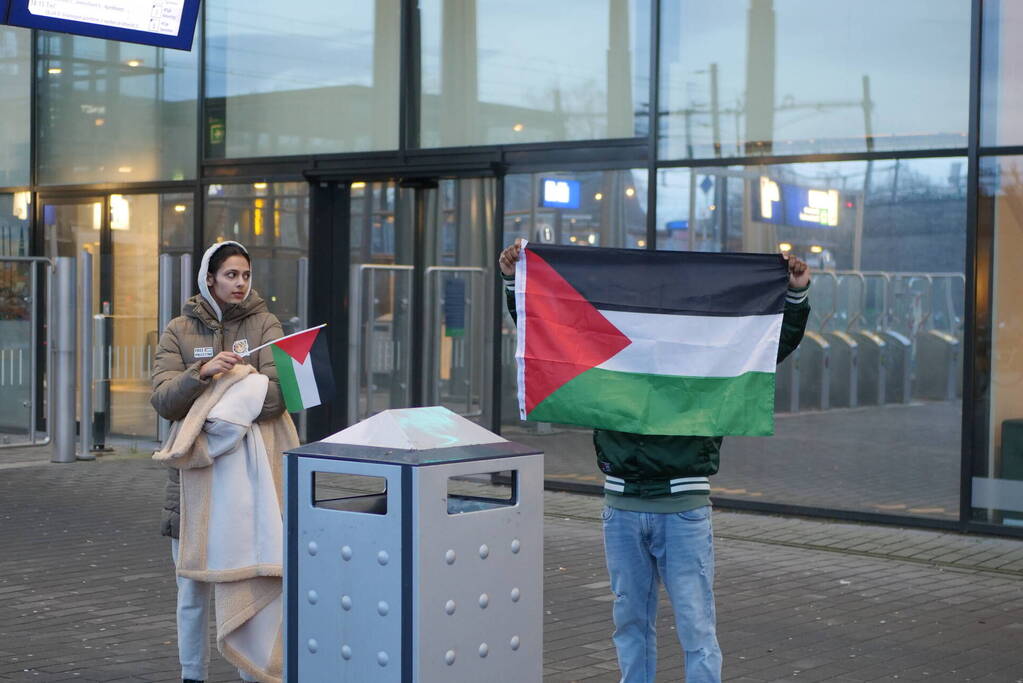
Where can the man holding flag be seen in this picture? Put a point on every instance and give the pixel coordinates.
(657, 524)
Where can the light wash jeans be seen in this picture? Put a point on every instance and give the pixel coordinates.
(194, 625)
(642, 550)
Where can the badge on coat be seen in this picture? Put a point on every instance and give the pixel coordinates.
(202, 352)
(241, 346)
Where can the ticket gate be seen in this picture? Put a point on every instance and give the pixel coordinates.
(873, 372)
(898, 362)
(844, 375)
(939, 355)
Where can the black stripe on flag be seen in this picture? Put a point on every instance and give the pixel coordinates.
(679, 282)
(320, 355)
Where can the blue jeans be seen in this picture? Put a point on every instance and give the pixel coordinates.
(642, 550)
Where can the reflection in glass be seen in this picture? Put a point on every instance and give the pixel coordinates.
(319, 79)
(15, 105)
(880, 369)
(534, 71)
(16, 316)
(114, 112)
(456, 285)
(272, 221)
(998, 469)
(1002, 73)
(753, 77)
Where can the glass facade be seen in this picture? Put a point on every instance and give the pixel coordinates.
(413, 146)
(880, 368)
(312, 77)
(745, 78)
(997, 484)
(114, 112)
(1002, 74)
(15, 105)
(534, 71)
(272, 221)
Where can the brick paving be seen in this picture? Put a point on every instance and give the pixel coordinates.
(87, 590)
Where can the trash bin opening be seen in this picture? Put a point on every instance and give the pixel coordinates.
(350, 493)
(484, 491)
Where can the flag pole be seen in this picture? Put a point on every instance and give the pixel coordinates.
(287, 336)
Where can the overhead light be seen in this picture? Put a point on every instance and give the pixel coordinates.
(134, 63)
(259, 186)
(97, 215)
(713, 207)
(124, 169)
(54, 70)
(358, 185)
(518, 127)
(629, 191)
(784, 247)
(592, 239)
(816, 248)
(119, 212)
(21, 201)
(598, 196)
(100, 122)
(180, 208)
(640, 243)
(573, 239)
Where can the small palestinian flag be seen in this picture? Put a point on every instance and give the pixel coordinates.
(649, 342)
(303, 369)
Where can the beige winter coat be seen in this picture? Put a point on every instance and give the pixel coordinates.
(191, 340)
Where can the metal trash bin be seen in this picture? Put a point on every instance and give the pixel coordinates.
(411, 580)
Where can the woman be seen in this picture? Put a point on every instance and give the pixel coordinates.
(224, 320)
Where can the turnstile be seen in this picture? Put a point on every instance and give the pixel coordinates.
(939, 365)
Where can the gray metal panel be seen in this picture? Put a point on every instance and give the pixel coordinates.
(451, 568)
(350, 577)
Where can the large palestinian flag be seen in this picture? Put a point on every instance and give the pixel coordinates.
(649, 342)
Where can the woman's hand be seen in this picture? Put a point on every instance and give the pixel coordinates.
(799, 272)
(509, 256)
(222, 362)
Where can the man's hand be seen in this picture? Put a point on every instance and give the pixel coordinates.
(799, 272)
(510, 256)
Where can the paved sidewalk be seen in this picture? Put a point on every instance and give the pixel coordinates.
(87, 591)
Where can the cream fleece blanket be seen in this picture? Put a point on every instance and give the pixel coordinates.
(231, 530)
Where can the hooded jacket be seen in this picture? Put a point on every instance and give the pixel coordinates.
(196, 336)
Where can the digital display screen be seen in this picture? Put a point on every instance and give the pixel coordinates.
(560, 194)
(163, 23)
(784, 204)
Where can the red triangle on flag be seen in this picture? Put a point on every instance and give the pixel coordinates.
(565, 334)
(298, 346)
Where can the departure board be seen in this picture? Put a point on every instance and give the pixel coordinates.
(164, 23)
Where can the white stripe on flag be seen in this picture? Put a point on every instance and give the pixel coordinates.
(520, 328)
(616, 480)
(689, 480)
(695, 345)
(691, 487)
(306, 382)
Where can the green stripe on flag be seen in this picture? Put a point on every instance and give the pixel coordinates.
(287, 379)
(696, 406)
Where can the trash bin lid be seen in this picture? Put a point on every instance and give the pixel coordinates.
(415, 436)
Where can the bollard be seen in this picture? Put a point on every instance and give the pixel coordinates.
(63, 367)
(165, 310)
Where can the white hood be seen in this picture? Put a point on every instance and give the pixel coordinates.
(204, 266)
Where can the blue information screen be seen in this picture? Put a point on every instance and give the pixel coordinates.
(785, 204)
(560, 194)
(163, 23)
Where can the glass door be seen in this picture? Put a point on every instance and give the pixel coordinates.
(421, 291)
(125, 234)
